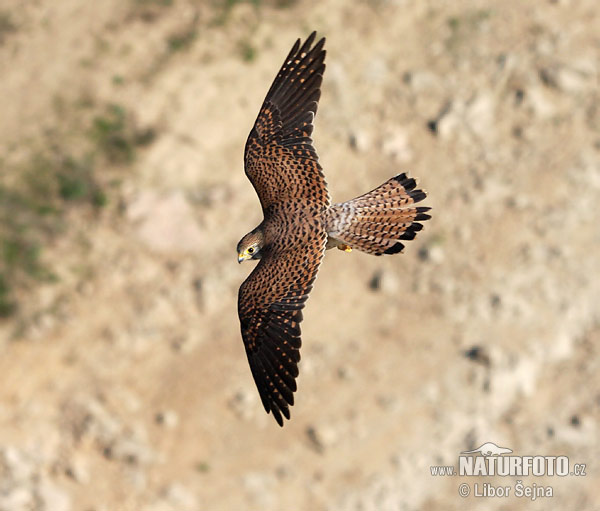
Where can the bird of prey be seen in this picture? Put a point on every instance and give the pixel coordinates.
(300, 223)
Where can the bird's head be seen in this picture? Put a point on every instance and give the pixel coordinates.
(250, 246)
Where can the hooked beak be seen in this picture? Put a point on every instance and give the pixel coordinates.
(241, 257)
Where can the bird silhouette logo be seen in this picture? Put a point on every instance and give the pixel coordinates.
(489, 449)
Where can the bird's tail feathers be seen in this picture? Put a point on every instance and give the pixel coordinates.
(380, 220)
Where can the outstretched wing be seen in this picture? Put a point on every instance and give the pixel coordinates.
(280, 160)
(270, 304)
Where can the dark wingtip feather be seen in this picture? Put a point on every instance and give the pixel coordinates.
(313, 35)
(417, 195)
(296, 88)
(408, 235)
(421, 215)
(294, 49)
(277, 416)
(394, 249)
(409, 184)
(308, 43)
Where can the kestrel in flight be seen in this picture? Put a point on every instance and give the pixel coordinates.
(300, 224)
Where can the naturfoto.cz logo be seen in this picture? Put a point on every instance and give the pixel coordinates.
(498, 461)
(491, 460)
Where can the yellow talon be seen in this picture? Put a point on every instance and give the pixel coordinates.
(345, 248)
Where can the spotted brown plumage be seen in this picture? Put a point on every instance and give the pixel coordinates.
(299, 224)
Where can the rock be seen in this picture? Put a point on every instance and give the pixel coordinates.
(517, 201)
(548, 76)
(179, 497)
(445, 120)
(15, 465)
(385, 281)
(388, 402)
(375, 282)
(17, 498)
(198, 287)
(360, 141)
(284, 472)
(447, 125)
(561, 347)
(566, 79)
(422, 81)
(479, 355)
(52, 497)
(480, 114)
(495, 301)
(321, 437)
(168, 418)
(541, 103)
(23, 486)
(511, 381)
(116, 441)
(345, 373)
(569, 80)
(100, 423)
(432, 253)
(243, 403)
(129, 450)
(77, 469)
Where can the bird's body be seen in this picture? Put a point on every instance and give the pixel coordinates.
(300, 224)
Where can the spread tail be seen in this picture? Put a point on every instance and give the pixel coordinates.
(378, 221)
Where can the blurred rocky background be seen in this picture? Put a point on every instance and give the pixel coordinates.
(124, 383)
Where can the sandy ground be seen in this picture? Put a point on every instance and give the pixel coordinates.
(125, 384)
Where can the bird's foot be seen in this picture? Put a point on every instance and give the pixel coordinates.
(345, 248)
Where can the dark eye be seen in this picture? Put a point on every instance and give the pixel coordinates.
(251, 250)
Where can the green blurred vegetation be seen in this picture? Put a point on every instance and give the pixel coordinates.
(464, 25)
(115, 136)
(247, 51)
(149, 10)
(7, 25)
(36, 195)
(161, 3)
(223, 8)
